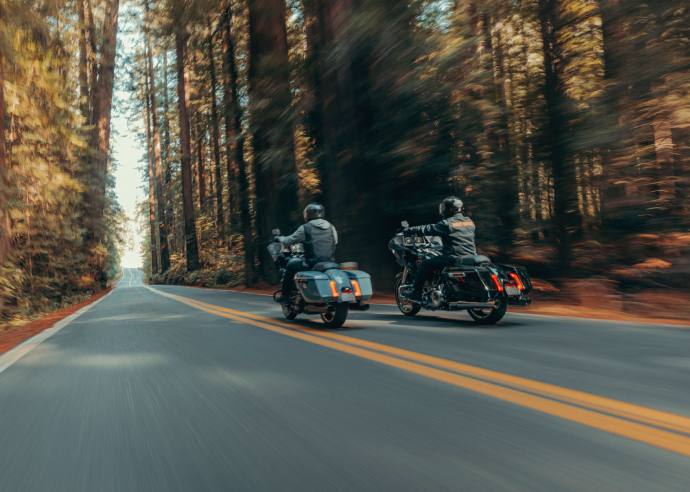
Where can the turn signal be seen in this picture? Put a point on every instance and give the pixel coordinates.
(334, 291)
(498, 283)
(516, 277)
(355, 285)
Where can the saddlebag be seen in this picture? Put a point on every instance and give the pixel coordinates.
(315, 287)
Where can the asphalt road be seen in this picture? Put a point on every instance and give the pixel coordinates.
(186, 389)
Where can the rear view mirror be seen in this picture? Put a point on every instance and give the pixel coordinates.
(275, 232)
(405, 223)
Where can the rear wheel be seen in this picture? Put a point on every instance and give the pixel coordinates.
(408, 308)
(335, 318)
(490, 316)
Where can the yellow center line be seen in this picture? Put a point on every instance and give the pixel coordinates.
(516, 393)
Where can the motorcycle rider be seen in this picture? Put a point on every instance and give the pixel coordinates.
(319, 239)
(457, 234)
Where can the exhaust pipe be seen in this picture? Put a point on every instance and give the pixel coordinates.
(474, 305)
(359, 306)
(318, 309)
(523, 301)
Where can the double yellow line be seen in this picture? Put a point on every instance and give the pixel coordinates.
(661, 429)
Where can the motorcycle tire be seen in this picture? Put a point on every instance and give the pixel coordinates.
(289, 312)
(336, 319)
(409, 308)
(486, 317)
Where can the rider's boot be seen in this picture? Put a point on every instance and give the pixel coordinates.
(415, 296)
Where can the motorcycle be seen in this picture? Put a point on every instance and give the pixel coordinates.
(474, 284)
(327, 289)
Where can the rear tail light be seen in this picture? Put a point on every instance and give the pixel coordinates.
(355, 285)
(516, 277)
(498, 283)
(334, 290)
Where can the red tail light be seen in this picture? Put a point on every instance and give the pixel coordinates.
(355, 285)
(334, 291)
(516, 277)
(498, 283)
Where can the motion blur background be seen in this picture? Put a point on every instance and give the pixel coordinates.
(564, 126)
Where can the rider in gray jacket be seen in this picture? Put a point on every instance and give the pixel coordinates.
(319, 239)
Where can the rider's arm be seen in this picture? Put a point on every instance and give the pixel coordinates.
(297, 237)
(439, 229)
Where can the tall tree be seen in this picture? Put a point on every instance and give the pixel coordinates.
(192, 249)
(5, 235)
(103, 98)
(235, 138)
(567, 218)
(215, 136)
(162, 221)
(272, 126)
(152, 198)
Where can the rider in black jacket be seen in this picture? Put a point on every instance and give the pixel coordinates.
(319, 238)
(456, 232)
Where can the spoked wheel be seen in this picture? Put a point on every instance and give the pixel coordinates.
(337, 317)
(490, 316)
(408, 308)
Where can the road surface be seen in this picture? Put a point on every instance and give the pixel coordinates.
(181, 389)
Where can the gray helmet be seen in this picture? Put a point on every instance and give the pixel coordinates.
(314, 211)
(450, 206)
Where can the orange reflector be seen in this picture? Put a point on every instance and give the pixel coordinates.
(498, 283)
(516, 277)
(334, 291)
(355, 285)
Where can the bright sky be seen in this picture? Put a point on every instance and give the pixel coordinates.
(128, 152)
(127, 183)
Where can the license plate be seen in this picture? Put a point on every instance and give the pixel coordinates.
(512, 291)
(347, 297)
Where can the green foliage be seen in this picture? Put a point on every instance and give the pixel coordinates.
(50, 262)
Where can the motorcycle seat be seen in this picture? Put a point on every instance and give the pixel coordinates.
(472, 260)
(325, 265)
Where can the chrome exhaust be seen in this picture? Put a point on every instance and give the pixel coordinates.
(474, 305)
(318, 309)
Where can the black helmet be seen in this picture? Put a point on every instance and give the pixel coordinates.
(314, 211)
(450, 206)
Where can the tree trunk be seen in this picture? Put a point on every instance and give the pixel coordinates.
(506, 173)
(169, 213)
(4, 219)
(566, 206)
(220, 219)
(83, 62)
(270, 99)
(162, 222)
(92, 62)
(233, 199)
(233, 123)
(192, 248)
(104, 95)
(152, 207)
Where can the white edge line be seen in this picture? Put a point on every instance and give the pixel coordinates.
(16, 353)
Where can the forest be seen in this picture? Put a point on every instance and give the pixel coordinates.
(563, 125)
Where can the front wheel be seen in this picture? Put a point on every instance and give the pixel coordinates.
(408, 308)
(289, 312)
(335, 318)
(490, 316)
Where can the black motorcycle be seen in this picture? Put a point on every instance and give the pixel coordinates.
(473, 284)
